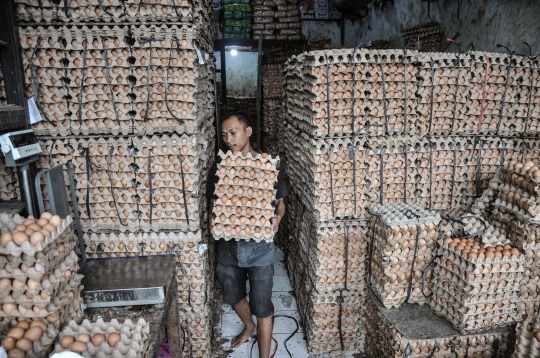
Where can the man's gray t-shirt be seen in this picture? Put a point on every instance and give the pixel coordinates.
(244, 253)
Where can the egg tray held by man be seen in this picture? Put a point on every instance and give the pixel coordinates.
(93, 339)
(246, 194)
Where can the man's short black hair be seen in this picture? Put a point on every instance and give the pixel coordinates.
(243, 117)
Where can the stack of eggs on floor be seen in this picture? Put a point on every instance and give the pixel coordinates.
(135, 98)
(40, 288)
(9, 189)
(403, 241)
(477, 277)
(372, 127)
(97, 339)
(246, 193)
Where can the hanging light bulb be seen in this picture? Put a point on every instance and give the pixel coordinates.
(234, 52)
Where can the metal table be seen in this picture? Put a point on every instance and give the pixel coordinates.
(162, 317)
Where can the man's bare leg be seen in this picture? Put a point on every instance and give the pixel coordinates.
(264, 335)
(243, 311)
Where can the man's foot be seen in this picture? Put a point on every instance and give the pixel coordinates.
(243, 337)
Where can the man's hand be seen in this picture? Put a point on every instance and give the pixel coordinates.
(276, 220)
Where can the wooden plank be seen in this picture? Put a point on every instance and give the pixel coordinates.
(12, 118)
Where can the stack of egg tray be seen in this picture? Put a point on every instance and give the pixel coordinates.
(3, 100)
(443, 90)
(246, 194)
(133, 341)
(170, 179)
(328, 318)
(273, 110)
(424, 37)
(403, 243)
(276, 20)
(40, 282)
(88, 80)
(416, 331)
(476, 293)
(327, 174)
(195, 267)
(185, 11)
(346, 92)
(333, 253)
(9, 187)
(510, 93)
(528, 338)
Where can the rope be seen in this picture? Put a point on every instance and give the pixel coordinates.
(504, 94)
(177, 251)
(409, 289)
(424, 276)
(496, 347)
(148, 72)
(82, 82)
(384, 97)
(430, 173)
(346, 229)
(352, 155)
(478, 165)
(150, 184)
(484, 94)
(112, 187)
(457, 90)
(502, 153)
(371, 248)
(407, 351)
(531, 87)
(328, 94)
(189, 339)
(453, 176)
(109, 81)
(174, 39)
(183, 187)
(340, 318)
(431, 101)
(405, 150)
(87, 157)
(331, 180)
(51, 161)
(433, 349)
(381, 191)
(404, 61)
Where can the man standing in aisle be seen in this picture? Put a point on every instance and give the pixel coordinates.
(243, 259)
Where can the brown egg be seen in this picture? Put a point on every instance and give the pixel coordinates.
(97, 339)
(537, 335)
(36, 238)
(5, 239)
(78, 347)
(28, 222)
(46, 215)
(8, 308)
(16, 353)
(23, 324)
(16, 332)
(45, 232)
(34, 333)
(19, 238)
(42, 222)
(20, 227)
(56, 220)
(83, 338)
(113, 339)
(9, 343)
(66, 341)
(40, 324)
(50, 227)
(24, 343)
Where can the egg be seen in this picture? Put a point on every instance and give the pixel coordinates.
(97, 339)
(40, 324)
(8, 308)
(34, 333)
(46, 216)
(66, 341)
(537, 335)
(113, 339)
(20, 227)
(16, 353)
(49, 227)
(36, 238)
(42, 222)
(9, 343)
(23, 324)
(83, 338)
(16, 332)
(4, 282)
(78, 347)
(19, 238)
(5, 239)
(24, 344)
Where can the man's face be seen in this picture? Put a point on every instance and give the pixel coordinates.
(235, 135)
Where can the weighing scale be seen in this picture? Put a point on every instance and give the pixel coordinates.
(126, 281)
(20, 149)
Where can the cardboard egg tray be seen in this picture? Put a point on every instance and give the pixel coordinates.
(320, 313)
(327, 174)
(39, 347)
(385, 77)
(8, 223)
(37, 265)
(9, 187)
(416, 331)
(242, 181)
(133, 337)
(396, 267)
(527, 343)
(507, 100)
(196, 332)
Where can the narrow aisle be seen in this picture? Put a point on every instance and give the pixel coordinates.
(284, 304)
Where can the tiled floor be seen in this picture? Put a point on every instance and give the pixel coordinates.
(284, 304)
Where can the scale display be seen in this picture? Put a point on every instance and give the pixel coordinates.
(19, 145)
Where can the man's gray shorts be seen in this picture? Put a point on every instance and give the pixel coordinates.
(233, 284)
